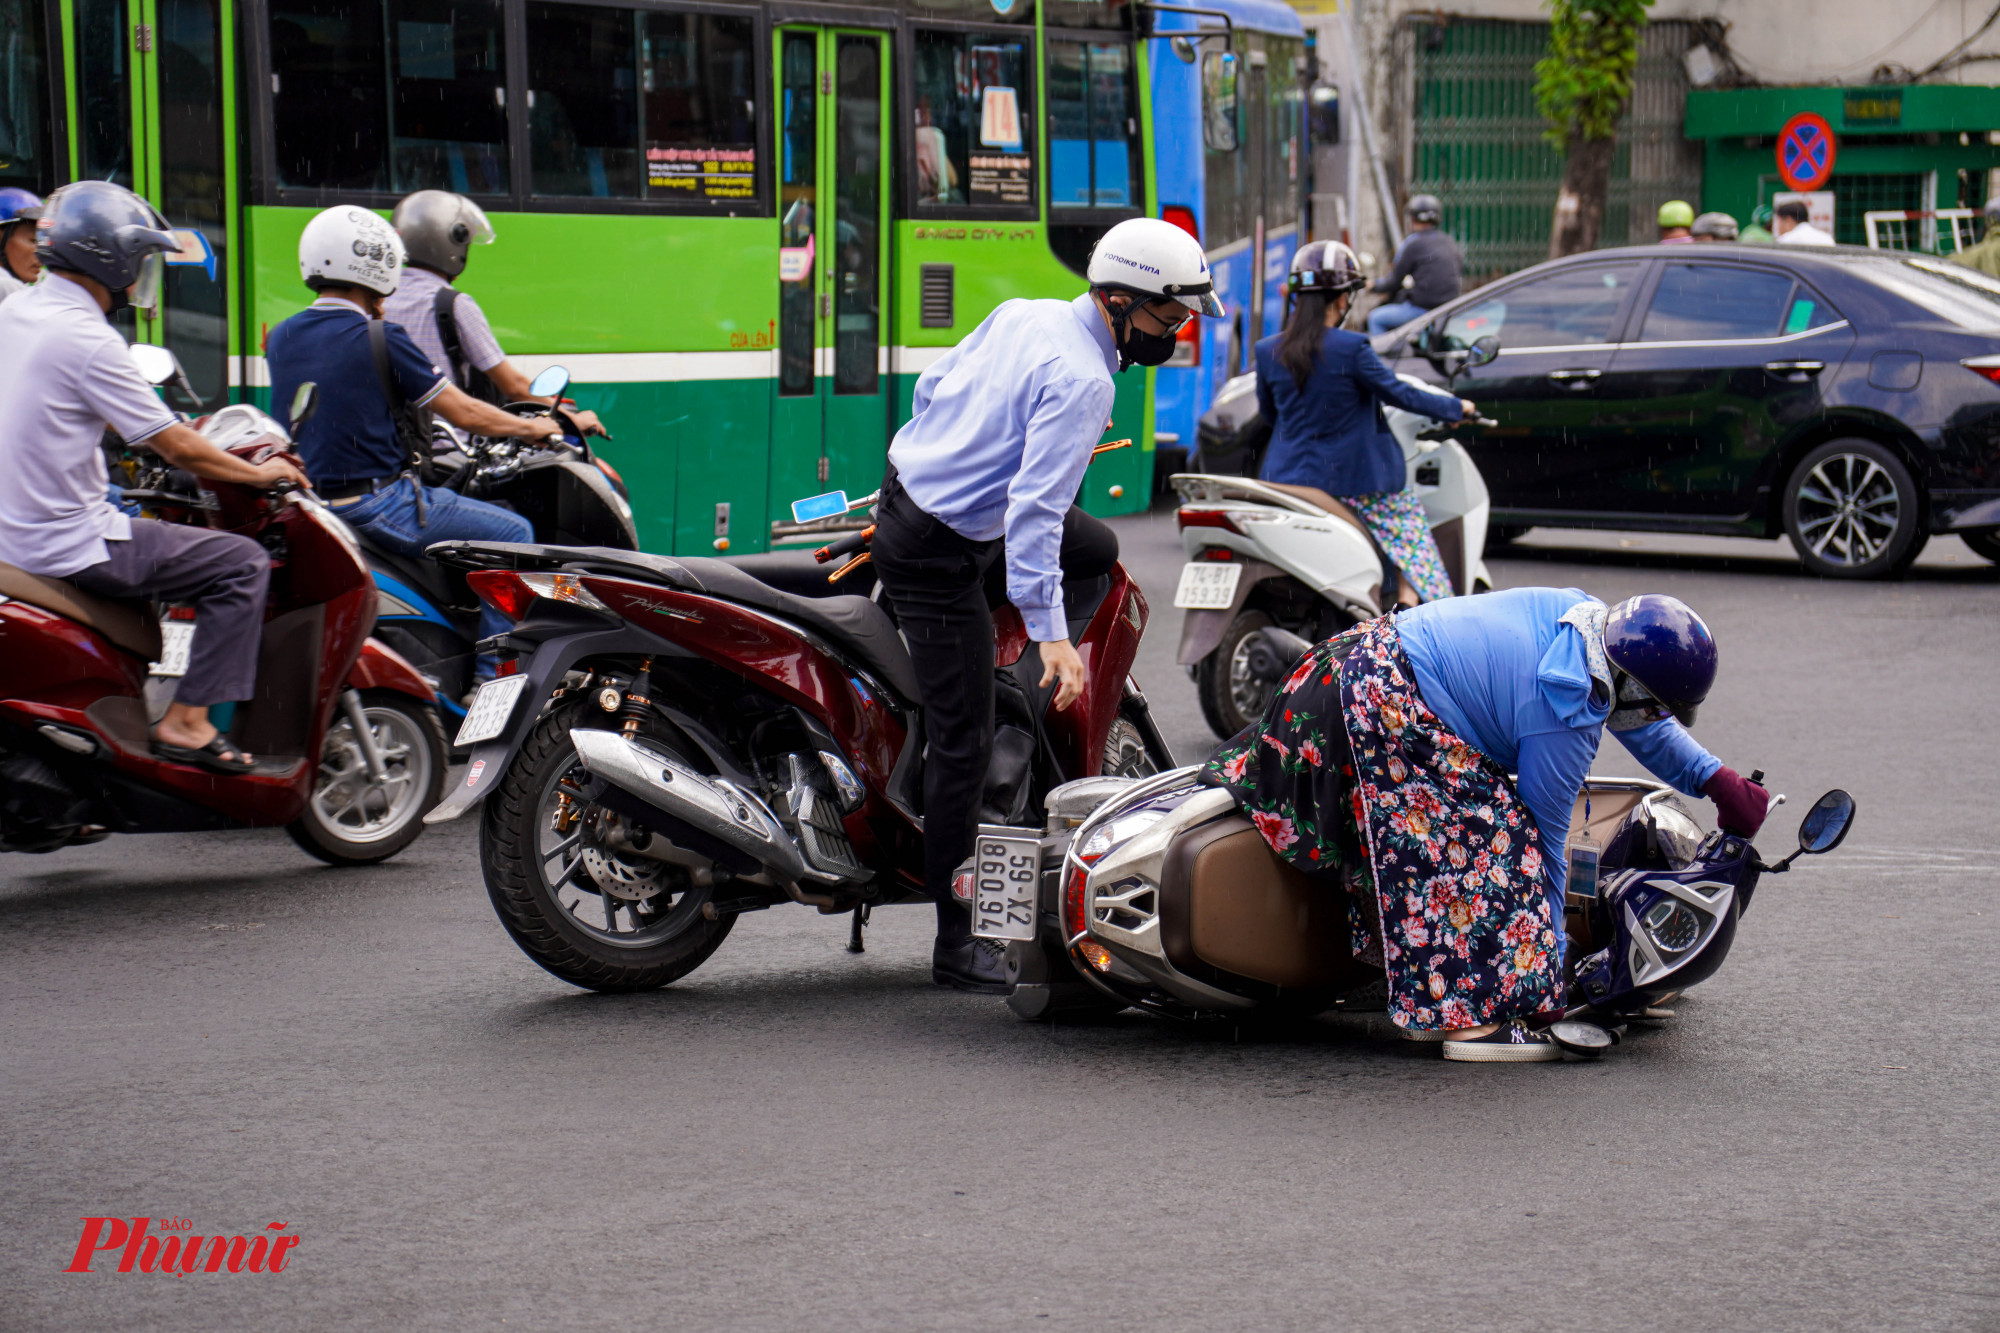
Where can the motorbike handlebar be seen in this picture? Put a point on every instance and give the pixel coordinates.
(1484, 421)
(847, 545)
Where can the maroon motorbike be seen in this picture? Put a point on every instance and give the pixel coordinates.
(675, 741)
(350, 750)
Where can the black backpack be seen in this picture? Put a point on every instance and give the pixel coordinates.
(461, 370)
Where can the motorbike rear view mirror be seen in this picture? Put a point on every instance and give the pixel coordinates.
(815, 507)
(305, 402)
(1826, 824)
(549, 383)
(157, 364)
(1482, 351)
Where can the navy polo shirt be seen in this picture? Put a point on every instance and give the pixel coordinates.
(352, 436)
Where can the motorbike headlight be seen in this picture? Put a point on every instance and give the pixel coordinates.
(1672, 925)
(1676, 835)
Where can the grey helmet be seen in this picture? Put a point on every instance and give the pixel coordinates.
(1425, 208)
(1324, 266)
(106, 232)
(439, 227)
(1719, 225)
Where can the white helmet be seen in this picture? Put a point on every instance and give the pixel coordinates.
(352, 246)
(1154, 258)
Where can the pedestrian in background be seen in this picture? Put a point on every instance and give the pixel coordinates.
(1428, 261)
(1759, 231)
(1676, 216)
(1793, 226)
(1322, 388)
(1985, 256)
(19, 269)
(1713, 228)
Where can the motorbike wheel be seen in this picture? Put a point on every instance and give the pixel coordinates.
(1125, 754)
(561, 882)
(1232, 698)
(1985, 543)
(350, 820)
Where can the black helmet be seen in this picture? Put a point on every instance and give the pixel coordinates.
(106, 232)
(1663, 648)
(1324, 266)
(1425, 208)
(439, 228)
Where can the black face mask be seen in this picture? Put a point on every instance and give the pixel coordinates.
(1136, 347)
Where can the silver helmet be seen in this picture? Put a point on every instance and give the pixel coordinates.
(439, 227)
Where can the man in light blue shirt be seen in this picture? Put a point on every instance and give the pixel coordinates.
(991, 459)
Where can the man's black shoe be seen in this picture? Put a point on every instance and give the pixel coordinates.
(979, 966)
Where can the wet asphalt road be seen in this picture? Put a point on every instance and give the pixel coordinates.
(216, 1028)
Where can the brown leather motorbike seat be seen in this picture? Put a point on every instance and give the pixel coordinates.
(129, 624)
(1236, 906)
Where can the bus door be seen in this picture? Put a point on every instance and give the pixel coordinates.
(831, 419)
(145, 93)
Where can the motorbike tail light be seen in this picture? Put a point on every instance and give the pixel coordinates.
(1191, 517)
(1075, 922)
(510, 667)
(1989, 366)
(608, 470)
(503, 590)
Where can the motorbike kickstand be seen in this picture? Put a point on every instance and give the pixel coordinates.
(854, 944)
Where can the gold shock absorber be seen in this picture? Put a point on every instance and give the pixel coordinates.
(636, 704)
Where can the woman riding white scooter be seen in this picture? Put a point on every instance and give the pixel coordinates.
(1322, 388)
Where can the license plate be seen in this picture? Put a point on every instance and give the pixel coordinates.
(176, 637)
(1207, 585)
(491, 708)
(1006, 874)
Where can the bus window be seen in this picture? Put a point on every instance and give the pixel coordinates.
(104, 91)
(26, 156)
(1227, 220)
(1284, 97)
(642, 104)
(1093, 126)
(395, 96)
(972, 120)
(1218, 101)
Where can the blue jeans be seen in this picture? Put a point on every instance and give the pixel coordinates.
(389, 516)
(1393, 316)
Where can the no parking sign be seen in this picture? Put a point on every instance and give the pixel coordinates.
(1805, 152)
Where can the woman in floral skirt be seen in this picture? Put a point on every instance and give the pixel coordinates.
(1322, 388)
(1388, 752)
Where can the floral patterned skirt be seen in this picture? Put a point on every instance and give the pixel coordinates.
(1348, 769)
(1398, 521)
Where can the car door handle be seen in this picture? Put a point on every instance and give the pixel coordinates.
(1795, 371)
(1574, 379)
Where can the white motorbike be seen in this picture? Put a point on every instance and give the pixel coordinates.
(1272, 569)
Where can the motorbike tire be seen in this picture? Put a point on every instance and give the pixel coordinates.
(1985, 543)
(1881, 491)
(1222, 682)
(415, 752)
(532, 911)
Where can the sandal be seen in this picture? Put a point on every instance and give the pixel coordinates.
(218, 756)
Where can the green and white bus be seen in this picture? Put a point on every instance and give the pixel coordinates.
(745, 229)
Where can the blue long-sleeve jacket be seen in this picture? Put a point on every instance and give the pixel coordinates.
(1505, 673)
(1331, 433)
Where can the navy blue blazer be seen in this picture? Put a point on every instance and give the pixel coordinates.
(1331, 434)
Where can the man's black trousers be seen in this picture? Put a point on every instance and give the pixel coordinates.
(936, 583)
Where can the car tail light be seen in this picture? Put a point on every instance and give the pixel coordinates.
(1989, 366)
(1191, 517)
(511, 593)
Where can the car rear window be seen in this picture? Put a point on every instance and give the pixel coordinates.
(1572, 307)
(1964, 296)
(1716, 303)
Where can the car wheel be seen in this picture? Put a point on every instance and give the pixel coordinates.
(1985, 543)
(1852, 511)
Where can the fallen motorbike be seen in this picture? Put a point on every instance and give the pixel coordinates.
(678, 741)
(350, 751)
(573, 497)
(1274, 568)
(1160, 894)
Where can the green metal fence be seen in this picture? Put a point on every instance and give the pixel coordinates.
(1470, 134)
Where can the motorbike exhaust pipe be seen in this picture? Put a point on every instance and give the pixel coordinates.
(1274, 652)
(714, 809)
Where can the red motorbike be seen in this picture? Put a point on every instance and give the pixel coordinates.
(350, 750)
(674, 742)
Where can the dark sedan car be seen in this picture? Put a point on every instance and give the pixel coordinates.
(1849, 398)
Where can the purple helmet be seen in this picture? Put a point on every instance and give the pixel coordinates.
(1666, 650)
(19, 205)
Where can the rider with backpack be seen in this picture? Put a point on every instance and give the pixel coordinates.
(439, 230)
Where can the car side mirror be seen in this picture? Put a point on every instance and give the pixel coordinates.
(1826, 824)
(1482, 351)
(305, 402)
(550, 383)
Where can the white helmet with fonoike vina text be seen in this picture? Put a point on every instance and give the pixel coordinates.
(351, 246)
(1152, 258)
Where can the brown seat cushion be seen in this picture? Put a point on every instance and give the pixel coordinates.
(129, 624)
(1236, 906)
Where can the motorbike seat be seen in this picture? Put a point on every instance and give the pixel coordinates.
(444, 588)
(128, 623)
(1229, 902)
(852, 623)
(1313, 495)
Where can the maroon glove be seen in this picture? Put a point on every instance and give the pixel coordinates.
(1740, 804)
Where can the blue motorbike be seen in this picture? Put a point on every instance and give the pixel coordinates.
(1159, 894)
